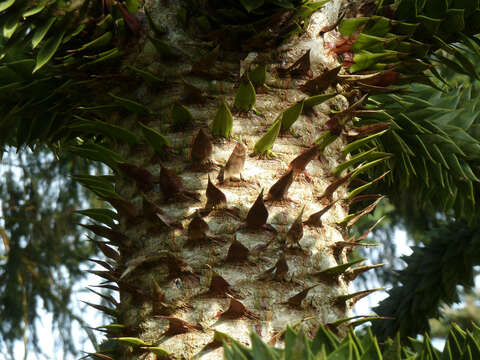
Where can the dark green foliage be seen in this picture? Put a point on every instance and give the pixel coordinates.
(431, 277)
(45, 48)
(435, 143)
(255, 24)
(326, 346)
(417, 28)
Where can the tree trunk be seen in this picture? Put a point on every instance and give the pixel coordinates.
(194, 266)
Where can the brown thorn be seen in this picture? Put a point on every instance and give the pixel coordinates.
(154, 213)
(123, 207)
(258, 214)
(235, 163)
(328, 193)
(296, 300)
(197, 230)
(178, 326)
(143, 178)
(315, 219)
(301, 161)
(279, 190)
(237, 310)
(322, 82)
(278, 271)
(237, 252)
(295, 233)
(202, 148)
(215, 197)
(298, 68)
(172, 185)
(351, 275)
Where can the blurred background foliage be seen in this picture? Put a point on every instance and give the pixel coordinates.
(44, 252)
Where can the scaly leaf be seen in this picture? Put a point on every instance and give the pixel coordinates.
(265, 143)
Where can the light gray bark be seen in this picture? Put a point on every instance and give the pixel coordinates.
(186, 292)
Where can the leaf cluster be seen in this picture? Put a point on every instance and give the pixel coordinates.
(430, 279)
(255, 24)
(47, 49)
(402, 39)
(326, 346)
(436, 141)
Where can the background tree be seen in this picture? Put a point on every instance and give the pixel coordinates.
(42, 248)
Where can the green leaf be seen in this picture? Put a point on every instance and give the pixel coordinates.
(147, 75)
(158, 30)
(132, 341)
(358, 143)
(104, 216)
(223, 121)
(258, 75)
(97, 43)
(363, 156)
(260, 350)
(316, 100)
(98, 153)
(291, 114)
(103, 57)
(109, 130)
(41, 31)
(4, 5)
(349, 26)
(339, 269)
(181, 116)
(132, 6)
(166, 51)
(343, 352)
(251, 5)
(47, 51)
(132, 105)
(156, 140)
(35, 10)
(161, 352)
(245, 97)
(10, 25)
(265, 143)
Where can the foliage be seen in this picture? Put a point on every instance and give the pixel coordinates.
(400, 41)
(436, 142)
(430, 279)
(252, 23)
(42, 250)
(47, 50)
(325, 345)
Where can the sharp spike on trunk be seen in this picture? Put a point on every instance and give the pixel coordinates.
(278, 271)
(202, 148)
(235, 163)
(179, 326)
(301, 161)
(279, 190)
(315, 218)
(237, 310)
(296, 300)
(237, 252)
(215, 197)
(258, 214)
(295, 233)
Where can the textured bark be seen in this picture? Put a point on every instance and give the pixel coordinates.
(179, 286)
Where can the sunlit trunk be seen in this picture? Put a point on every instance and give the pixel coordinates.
(196, 267)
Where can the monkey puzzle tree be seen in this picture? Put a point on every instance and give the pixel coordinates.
(228, 178)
